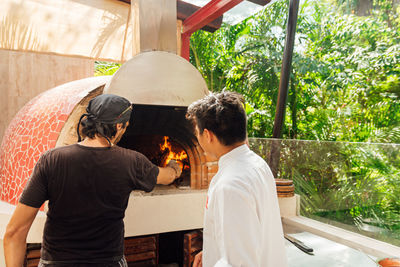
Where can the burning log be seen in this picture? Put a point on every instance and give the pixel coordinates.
(160, 150)
(162, 158)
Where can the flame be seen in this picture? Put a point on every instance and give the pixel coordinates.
(178, 157)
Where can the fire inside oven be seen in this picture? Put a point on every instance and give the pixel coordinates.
(161, 133)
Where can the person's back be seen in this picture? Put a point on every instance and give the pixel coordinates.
(242, 224)
(245, 180)
(273, 245)
(259, 179)
(88, 190)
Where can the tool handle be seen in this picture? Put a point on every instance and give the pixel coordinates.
(299, 244)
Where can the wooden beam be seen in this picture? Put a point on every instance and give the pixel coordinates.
(185, 10)
(207, 14)
(286, 69)
(284, 85)
(185, 48)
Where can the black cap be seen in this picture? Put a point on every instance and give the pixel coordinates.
(109, 109)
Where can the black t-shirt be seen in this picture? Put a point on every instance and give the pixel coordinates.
(88, 190)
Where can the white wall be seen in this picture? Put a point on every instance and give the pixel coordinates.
(24, 75)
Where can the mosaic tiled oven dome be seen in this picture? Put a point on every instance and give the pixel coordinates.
(36, 128)
(50, 119)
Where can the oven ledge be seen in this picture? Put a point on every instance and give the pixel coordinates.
(165, 209)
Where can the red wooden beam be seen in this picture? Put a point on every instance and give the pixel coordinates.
(202, 17)
(185, 48)
(185, 10)
(206, 14)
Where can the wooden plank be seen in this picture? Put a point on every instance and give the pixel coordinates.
(146, 263)
(133, 249)
(280, 182)
(185, 10)
(211, 11)
(141, 256)
(140, 245)
(192, 244)
(140, 248)
(138, 240)
(285, 188)
(32, 263)
(33, 254)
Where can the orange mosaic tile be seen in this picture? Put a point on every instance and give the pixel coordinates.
(34, 130)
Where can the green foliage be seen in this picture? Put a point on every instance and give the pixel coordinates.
(345, 78)
(355, 184)
(105, 68)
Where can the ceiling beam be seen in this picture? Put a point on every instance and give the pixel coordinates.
(185, 10)
(206, 14)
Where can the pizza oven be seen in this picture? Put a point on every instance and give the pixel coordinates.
(159, 84)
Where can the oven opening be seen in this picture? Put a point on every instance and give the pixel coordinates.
(160, 150)
(162, 133)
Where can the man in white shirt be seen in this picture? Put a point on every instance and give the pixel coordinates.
(242, 225)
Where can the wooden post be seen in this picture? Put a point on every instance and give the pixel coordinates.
(284, 85)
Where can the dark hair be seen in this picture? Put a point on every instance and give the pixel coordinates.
(223, 114)
(90, 128)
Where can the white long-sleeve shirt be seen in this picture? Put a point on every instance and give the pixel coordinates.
(242, 225)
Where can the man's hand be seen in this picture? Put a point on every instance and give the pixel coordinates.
(198, 260)
(174, 165)
(168, 174)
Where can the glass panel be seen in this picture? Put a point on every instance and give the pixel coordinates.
(355, 186)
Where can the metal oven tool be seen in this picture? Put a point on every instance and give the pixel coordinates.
(300, 245)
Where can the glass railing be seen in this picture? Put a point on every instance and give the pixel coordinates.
(355, 186)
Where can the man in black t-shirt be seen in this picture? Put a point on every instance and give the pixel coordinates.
(88, 186)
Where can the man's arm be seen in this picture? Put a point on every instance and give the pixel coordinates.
(16, 233)
(237, 227)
